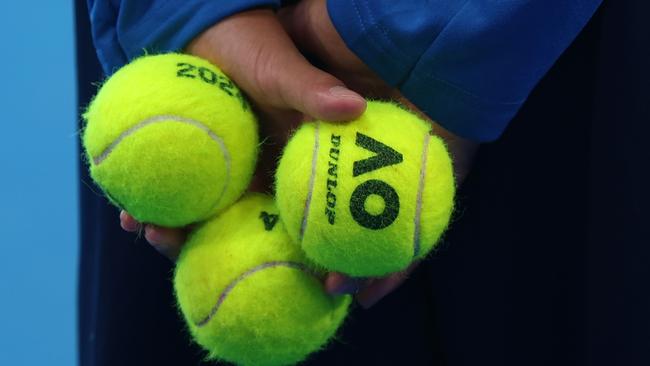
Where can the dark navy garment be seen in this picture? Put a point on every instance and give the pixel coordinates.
(546, 263)
(468, 64)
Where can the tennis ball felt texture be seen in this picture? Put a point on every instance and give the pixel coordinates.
(367, 197)
(247, 293)
(170, 139)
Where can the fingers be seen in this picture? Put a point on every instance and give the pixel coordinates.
(308, 24)
(128, 223)
(167, 241)
(339, 284)
(379, 288)
(255, 51)
(367, 291)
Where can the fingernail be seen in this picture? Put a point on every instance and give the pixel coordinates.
(343, 92)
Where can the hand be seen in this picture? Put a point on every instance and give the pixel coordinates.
(311, 29)
(309, 26)
(253, 49)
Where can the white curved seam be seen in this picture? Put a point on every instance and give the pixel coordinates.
(166, 118)
(418, 202)
(312, 178)
(156, 119)
(243, 276)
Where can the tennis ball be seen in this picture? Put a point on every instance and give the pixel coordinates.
(170, 139)
(367, 197)
(248, 294)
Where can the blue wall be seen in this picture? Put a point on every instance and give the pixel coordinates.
(38, 184)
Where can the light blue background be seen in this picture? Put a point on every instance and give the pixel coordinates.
(38, 184)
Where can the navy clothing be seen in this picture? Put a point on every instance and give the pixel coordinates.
(545, 264)
(468, 64)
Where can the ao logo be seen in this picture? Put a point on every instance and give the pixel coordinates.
(384, 156)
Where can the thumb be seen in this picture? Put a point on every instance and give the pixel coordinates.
(313, 92)
(256, 52)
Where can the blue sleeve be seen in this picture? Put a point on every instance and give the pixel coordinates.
(124, 29)
(468, 64)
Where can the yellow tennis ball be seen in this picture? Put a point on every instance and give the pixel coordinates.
(367, 197)
(170, 139)
(247, 293)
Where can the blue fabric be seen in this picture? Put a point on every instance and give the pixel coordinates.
(468, 64)
(124, 29)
